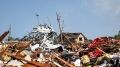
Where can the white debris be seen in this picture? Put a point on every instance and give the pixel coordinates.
(43, 29)
(77, 62)
(51, 46)
(27, 58)
(26, 52)
(15, 63)
(41, 58)
(34, 47)
(116, 55)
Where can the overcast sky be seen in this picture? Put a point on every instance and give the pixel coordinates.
(94, 18)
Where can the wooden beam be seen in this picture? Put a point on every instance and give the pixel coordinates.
(29, 62)
(3, 35)
(65, 62)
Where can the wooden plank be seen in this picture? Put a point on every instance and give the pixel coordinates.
(65, 62)
(3, 35)
(29, 62)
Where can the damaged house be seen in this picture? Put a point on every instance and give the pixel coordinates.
(72, 40)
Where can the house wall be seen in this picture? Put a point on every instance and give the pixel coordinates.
(80, 39)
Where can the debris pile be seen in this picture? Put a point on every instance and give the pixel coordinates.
(43, 48)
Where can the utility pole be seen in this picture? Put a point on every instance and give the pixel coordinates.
(49, 21)
(37, 15)
(9, 36)
(58, 19)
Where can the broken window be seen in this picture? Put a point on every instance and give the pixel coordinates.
(80, 38)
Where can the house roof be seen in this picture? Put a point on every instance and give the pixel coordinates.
(73, 35)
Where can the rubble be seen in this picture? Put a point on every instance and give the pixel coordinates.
(42, 48)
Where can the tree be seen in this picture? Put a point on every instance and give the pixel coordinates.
(117, 36)
(119, 32)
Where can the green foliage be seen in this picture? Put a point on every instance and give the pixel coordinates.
(13, 39)
(117, 36)
(10, 38)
